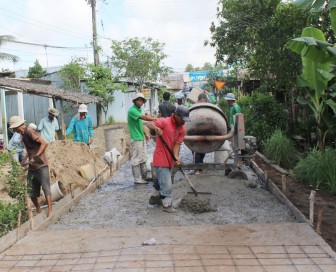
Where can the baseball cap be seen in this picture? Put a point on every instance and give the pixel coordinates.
(139, 95)
(230, 96)
(183, 112)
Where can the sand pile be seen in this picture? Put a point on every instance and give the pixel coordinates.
(65, 159)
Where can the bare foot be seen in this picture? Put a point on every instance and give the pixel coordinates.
(50, 212)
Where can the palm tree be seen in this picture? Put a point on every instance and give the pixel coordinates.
(5, 56)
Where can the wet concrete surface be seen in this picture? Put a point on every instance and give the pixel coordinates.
(119, 203)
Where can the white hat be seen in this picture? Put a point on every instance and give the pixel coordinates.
(82, 108)
(33, 126)
(15, 121)
(139, 95)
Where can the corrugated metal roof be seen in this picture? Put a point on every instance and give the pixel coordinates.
(47, 90)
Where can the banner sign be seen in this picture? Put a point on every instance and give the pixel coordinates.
(198, 76)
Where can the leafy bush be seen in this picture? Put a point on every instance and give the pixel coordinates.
(8, 216)
(318, 169)
(263, 116)
(110, 120)
(281, 150)
(16, 190)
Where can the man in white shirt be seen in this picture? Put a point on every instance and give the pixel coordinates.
(49, 125)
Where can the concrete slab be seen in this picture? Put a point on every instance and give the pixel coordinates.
(272, 247)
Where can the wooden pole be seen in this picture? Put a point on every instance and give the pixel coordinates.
(62, 119)
(319, 222)
(311, 211)
(284, 184)
(18, 225)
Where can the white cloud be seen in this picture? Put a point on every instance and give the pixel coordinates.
(182, 25)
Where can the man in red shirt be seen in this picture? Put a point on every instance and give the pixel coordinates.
(172, 131)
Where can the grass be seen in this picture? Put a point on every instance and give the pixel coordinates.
(318, 169)
(280, 150)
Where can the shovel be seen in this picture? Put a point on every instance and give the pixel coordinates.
(180, 168)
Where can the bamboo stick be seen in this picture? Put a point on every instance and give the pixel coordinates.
(311, 211)
(319, 222)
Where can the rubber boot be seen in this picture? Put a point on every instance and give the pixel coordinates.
(136, 171)
(143, 168)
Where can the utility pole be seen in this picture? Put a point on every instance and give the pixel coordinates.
(94, 32)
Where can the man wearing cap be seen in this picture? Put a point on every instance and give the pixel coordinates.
(49, 125)
(38, 170)
(234, 107)
(172, 131)
(138, 139)
(81, 125)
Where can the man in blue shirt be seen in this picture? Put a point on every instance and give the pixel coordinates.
(49, 125)
(81, 125)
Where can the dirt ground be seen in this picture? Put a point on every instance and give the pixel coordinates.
(298, 194)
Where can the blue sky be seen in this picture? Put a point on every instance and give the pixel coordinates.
(182, 25)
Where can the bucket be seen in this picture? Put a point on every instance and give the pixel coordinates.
(56, 191)
(115, 138)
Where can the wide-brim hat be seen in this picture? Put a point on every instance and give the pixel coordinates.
(53, 111)
(15, 121)
(140, 95)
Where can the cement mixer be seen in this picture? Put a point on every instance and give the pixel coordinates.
(207, 132)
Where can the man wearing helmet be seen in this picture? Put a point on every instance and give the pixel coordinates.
(81, 125)
(138, 139)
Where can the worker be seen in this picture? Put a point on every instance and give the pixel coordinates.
(234, 107)
(49, 125)
(199, 157)
(38, 170)
(81, 125)
(138, 139)
(15, 144)
(166, 109)
(172, 131)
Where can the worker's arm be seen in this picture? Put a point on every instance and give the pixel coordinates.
(147, 118)
(90, 130)
(153, 126)
(40, 126)
(71, 125)
(176, 152)
(43, 145)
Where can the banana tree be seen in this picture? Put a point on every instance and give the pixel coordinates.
(318, 66)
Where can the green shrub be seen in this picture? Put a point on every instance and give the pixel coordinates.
(16, 190)
(281, 150)
(9, 216)
(110, 120)
(318, 169)
(263, 116)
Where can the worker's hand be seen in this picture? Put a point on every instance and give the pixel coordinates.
(177, 162)
(148, 137)
(91, 140)
(158, 131)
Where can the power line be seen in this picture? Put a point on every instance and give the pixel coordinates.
(46, 45)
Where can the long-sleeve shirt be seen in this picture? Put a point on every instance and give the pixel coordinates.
(82, 128)
(15, 143)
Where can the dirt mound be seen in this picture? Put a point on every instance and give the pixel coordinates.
(65, 159)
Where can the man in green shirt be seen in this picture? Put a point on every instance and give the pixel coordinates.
(138, 139)
(234, 107)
